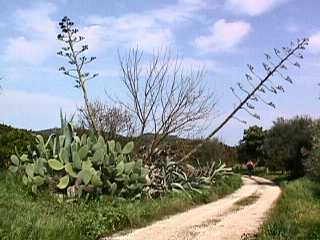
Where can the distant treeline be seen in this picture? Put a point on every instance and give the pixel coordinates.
(214, 150)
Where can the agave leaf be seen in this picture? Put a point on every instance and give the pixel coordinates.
(83, 141)
(76, 159)
(40, 140)
(74, 147)
(111, 145)
(68, 132)
(177, 186)
(181, 175)
(64, 155)
(49, 141)
(63, 182)
(77, 140)
(101, 140)
(91, 140)
(118, 147)
(62, 139)
(128, 148)
(54, 147)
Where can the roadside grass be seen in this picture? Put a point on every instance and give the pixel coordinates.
(247, 200)
(25, 216)
(296, 215)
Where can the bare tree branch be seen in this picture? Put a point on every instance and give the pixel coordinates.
(164, 99)
(111, 120)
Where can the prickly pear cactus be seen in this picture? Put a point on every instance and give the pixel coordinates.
(82, 165)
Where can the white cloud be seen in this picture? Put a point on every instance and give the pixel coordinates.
(128, 31)
(32, 110)
(293, 28)
(37, 38)
(315, 43)
(223, 36)
(252, 7)
(197, 64)
(148, 30)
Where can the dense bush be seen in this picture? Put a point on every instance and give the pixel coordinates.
(284, 144)
(251, 145)
(11, 138)
(212, 151)
(312, 160)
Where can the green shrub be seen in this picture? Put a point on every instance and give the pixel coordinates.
(312, 161)
(284, 142)
(11, 138)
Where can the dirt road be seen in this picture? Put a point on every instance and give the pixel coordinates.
(228, 218)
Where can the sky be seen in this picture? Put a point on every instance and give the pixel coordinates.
(222, 36)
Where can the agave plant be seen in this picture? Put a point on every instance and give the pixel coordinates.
(210, 172)
(166, 175)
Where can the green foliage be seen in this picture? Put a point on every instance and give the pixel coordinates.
(212, 151)
(312, 161)
(284, 142)
(11, 138)
(73, 166)
(251, 145)
(297, 214)
(24, 217)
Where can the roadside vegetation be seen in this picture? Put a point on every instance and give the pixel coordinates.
(25, 216)
(296, 215)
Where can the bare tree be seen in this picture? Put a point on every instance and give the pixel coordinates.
(261, 86)
(74, 52)
(164, 98)
(111, 120)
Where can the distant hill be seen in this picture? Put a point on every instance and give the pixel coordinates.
(212, 151)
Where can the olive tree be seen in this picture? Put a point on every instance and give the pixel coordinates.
(285, 142)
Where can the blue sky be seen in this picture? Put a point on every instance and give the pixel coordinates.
(220, 35)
